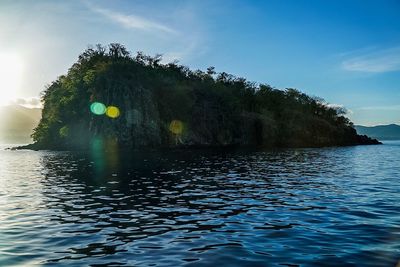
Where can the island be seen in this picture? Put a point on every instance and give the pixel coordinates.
(380, 132)
(140, 102)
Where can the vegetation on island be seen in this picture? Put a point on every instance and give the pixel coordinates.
(168, 105)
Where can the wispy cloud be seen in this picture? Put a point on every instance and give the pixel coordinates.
(340, 106)
(190, 46)
(384, 108)
(32, 102)
(375, 61)
(132, 21)
(183, 34)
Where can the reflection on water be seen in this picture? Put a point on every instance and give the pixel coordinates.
(304, 207)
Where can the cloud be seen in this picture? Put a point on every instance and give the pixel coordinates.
(131, 21)
(188, 48)
(33, 102)
(384, 108)
(183, 36)
(340, 107)
(376, 61)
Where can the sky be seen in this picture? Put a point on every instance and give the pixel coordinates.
(345, 51)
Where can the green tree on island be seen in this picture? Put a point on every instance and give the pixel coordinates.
(210, 109)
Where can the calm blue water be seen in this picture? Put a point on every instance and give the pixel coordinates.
(303, 207)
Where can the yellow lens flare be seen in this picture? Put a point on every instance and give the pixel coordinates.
(176, 127)
(113, 112)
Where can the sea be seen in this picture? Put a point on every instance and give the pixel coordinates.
(337, 206)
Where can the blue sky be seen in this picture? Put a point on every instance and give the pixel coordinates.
(347, 52)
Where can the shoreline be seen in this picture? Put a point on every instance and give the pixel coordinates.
(36, 147)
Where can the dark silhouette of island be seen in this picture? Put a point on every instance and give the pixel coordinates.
(138, 101)
(381, 132)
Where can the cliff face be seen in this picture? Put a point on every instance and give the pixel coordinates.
(138, 102)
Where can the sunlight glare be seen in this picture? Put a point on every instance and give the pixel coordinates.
(10, 77)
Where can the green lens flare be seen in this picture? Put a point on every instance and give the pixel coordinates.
(98, 108)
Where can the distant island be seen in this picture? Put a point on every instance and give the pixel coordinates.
(17, 123)
(381, 132)
(138, 101)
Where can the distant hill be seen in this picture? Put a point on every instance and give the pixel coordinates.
(17, 123)
(381, 132)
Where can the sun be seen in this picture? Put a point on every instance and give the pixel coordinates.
(10, 77)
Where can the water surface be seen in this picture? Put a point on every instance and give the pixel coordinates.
(296, 207)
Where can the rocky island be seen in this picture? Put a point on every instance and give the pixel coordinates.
(140, 102)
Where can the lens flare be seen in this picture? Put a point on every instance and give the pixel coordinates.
(98, 108)
(112, 112)
(176, 127)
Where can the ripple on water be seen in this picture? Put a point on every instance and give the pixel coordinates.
(303, 207)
